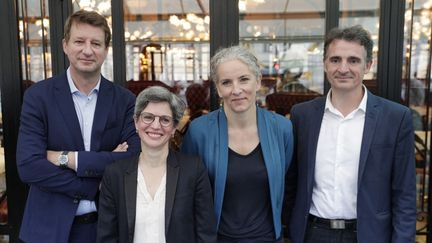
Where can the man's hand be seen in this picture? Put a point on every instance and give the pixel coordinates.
(121, 147)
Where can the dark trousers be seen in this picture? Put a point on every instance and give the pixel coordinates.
(83, 233)
(316, 233)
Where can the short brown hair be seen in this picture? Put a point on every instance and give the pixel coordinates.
(88, 17)
(355, 34)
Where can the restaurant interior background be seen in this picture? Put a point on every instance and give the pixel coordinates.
(170, 42)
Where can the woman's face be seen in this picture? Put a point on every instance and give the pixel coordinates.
(155, 125)
(237, 86)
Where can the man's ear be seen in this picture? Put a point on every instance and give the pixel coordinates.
(64, 43)
(368, 66)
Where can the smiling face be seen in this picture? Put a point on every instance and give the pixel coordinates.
(85, 49)
(345, 65)
(153, 134)
(237, 86)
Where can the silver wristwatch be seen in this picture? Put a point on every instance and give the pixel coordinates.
(63, 160)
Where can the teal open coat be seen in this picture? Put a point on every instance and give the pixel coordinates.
(207, 137)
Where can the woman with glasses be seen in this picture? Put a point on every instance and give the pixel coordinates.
(159, 195)
(247, 151)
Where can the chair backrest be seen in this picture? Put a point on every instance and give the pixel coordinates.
(26, 84)
(282, 102)
(269, 82)
(197, 98)
(137, 86)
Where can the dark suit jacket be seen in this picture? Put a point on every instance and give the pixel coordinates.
(189, 214)
(49, 122)
(386, 193)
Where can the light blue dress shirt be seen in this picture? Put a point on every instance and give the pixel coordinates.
(85, 106)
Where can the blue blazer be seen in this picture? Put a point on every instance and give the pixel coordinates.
(207, 137)
(386, 193)
(49, 122)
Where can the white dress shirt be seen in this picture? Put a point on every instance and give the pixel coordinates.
(85, 106)
(334, 194)
(150, 213)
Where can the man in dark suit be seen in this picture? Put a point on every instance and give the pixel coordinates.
(353, 177)
(72, 126)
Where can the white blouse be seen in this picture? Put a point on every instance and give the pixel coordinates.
(150, 213)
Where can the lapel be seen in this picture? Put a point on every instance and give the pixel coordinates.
(130, 189)
(63, 98)
(103, 108)
(371, 118)
(220, 160)
(171, 186)
(315, 119)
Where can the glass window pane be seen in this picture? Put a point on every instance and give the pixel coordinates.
(154, 29)
(35, 62)
(415, 92)
(34, 41)
(167, 44)
(287, 37)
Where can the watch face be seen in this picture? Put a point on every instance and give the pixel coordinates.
(63, 159)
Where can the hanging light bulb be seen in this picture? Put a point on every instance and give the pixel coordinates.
(242, 5)
(104, 7)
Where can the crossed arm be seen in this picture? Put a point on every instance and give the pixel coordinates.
(37, 161)
(52, 156)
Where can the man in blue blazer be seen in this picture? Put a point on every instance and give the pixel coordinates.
(354, 172)
(72, 126)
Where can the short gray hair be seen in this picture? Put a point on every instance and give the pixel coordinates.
(160, 94)
(234, 53)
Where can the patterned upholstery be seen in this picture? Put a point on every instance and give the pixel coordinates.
(26, 84)
(282, 102)
(270, 83)
(197, 97)
(137, 86)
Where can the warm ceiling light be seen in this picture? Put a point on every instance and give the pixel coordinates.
(242, 5)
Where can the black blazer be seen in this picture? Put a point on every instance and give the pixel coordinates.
(189, 214)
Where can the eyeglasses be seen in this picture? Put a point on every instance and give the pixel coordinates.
(148, 118)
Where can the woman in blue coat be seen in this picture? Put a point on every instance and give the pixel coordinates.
(247, 151)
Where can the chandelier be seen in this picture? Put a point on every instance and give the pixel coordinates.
(242, 4)
(100, 6)
(192, 27)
